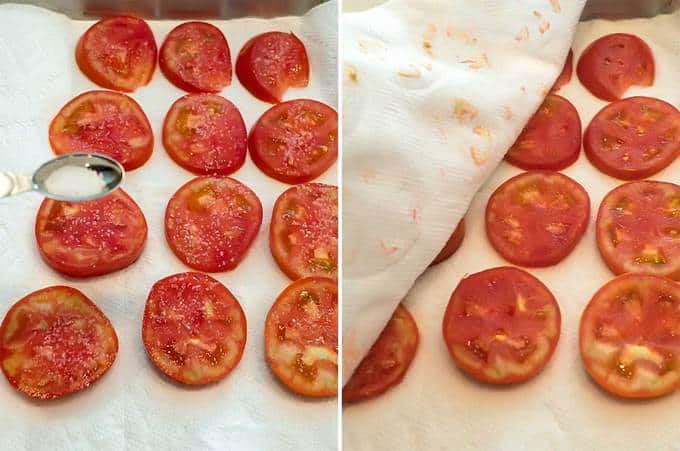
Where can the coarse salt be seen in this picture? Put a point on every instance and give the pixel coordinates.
(74, 182)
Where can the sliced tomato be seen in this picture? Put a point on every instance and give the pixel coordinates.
(103, 122)
(270, 63)
(118, 53)
(638, 229)
(210, 223)
(452, 245)
(195, 57)
(565, 75)
(205, 134)
(295, 141)
(301, 337)
(552, 138)
(630, 336)
(54, 342)
(501, 325)
(613, 63)
(84, 239)
(633, 138)
(303, 235)
(194, 329)
(387, 361)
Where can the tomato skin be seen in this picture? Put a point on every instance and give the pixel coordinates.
(565, 75)
(452, 245)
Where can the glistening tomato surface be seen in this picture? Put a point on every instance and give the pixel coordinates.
(630, 336)
(537, 218)
(301, 337)
(210, 223)
(118, 53)
(501, 325)
(205, 134)
(270, 63)
(633, 138)
(387, 361)
(194, 329)
(295, 141)
(195, 57)
(552, 138)
(103, 122)
(83, 239)
(613, 63)
(638, 229)
(303, 235)
(565, 75)
(452, 245)
(55, 341)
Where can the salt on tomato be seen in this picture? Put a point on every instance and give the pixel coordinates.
(84, 239)
(303, 235)
(552, 138)
(501, 325)
(537, 218)
(452, 245)
(630, 336)
(565, 75)
(210, 223)
(195, 57)
(295, 141)
(54, 342)
(387, 361)
(638, 229)
(613, 63)
(194, 329)
(205, 134)
(633, 138)
(301, 337)
(118, 53)
(270, 63)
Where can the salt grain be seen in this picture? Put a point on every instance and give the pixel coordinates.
(74, 182)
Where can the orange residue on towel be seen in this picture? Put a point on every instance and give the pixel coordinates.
(427, 45)
(507, 113)
(370, 44)
(388, 249)
(556, 5)
(450, 31)
(430, 32)
(544, 26)
(523, 89)
(478, 62)
(368, 175)
(414, 215)
(523, 35)
(482, 131)
(477, 156)
(537, 14)
(440, 129)
(543, 91)
(352, 74)
(463, 110)
(411, 72)
(428, 66)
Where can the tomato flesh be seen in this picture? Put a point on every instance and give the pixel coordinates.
(565, 75)
(452, 245)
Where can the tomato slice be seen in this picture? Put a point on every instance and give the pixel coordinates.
(565, 75)
(118, 53)
(210, 223)
(638, 229)
(301, 337)
(387, 361)
(295, 141)
(270, 63)
(630, 336)
(452, 245)
(84, 239)
(501, 325)
(552, 138)
(613, 63)
(537, 218)
(205, 134)
(194, 329)
(303, 235)
(633, 138)
(195, 57)
(54, 342)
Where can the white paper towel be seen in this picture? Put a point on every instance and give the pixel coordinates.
(134, 407)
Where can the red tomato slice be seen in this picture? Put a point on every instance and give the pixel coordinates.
(633, 138)
(301, 337)
(501, 325)
(565, 75)
(613, 63)
(270, 63)
(118, 53)
(638, 229)
(387, 361)
(211, 222)
(205, 134)
(537, 218)
(55, 341)
(295, 141)
(303, 235)
(552, 138)
(84, 239)
(103, 122)
(194, 329)
(630, 336)
(195, 57)
(452, 244)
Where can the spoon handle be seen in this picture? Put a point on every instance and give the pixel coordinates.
(11, 184)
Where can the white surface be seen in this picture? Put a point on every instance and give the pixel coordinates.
(74, 181)
(134, 407)
(437, 407)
